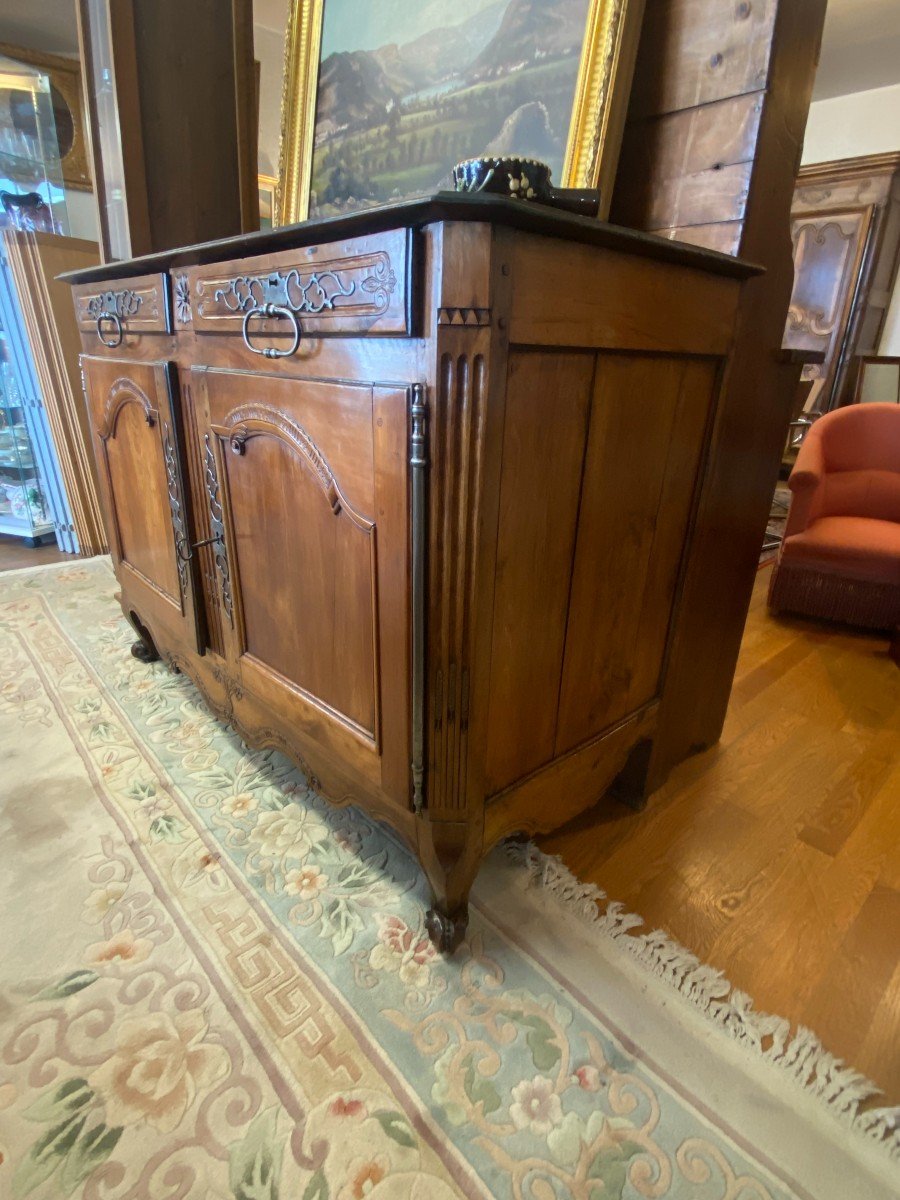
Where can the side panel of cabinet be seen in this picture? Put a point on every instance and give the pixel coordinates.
(139, 447)
(312, 485)
(595, 505)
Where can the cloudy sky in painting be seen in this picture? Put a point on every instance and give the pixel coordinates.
(370, 24)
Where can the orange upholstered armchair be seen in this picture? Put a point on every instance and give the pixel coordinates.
(840, 558)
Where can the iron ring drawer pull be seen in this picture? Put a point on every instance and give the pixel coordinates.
(117, 327)
(271, 310)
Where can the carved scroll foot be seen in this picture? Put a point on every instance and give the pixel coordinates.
(144, 652)
(144, 649)
(446, 932)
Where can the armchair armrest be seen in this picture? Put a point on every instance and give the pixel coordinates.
(805, 483)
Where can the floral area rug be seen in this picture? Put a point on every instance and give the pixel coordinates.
(214, 986)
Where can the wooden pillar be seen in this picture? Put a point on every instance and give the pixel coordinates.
(182, 76)
(711, 152)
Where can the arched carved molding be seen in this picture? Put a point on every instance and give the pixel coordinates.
(122, 392)
(260, 420)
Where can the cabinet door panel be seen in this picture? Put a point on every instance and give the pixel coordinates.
(309, 474)
(137, 434)
(306, 584)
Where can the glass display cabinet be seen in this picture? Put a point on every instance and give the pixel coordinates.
(32, 195)
(33, 502)
(23, 497)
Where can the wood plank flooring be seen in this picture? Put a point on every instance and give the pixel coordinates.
(775, 856)
(15, 554)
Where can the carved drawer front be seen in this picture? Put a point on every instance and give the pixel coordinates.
(359, 286)
(119, 307)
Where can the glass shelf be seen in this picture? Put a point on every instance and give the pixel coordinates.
(23, 508)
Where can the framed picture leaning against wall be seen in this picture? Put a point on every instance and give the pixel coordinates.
(381, 99)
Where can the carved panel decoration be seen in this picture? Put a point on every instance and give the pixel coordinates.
(253, 420)
(455, 492)
(361, 285)
(183, 300)
(123, 391)
(140, 304)
(217, 527)
(827, 253)
(176, 506)
(464, 316)
(846, 236)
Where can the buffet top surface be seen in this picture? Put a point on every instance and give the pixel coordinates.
(482, 207)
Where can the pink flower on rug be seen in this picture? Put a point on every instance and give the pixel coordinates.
(208, 863)
(364, 1178)
(239, 805)
(535, 1106)
(306, 883)
(404, 950)
(124, 948)
(160, 1064)
(341, 1107)
(588, 1078)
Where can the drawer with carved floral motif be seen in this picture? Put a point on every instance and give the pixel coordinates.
(120, 307)
(361, 286)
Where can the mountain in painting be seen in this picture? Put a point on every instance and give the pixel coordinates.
(358, 87)
(447, 51)
(530, 28)
(353, 91)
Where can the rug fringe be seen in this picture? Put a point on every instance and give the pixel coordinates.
(799, 1054)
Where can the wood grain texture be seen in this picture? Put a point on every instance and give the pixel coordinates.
(775, 856)
(15, 555)
(540, 487)
(395, 523)
(139, 436)
(646, 439)
(696, 53)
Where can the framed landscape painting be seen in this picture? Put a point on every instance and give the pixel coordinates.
(382, 98)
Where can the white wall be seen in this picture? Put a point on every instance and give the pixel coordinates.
(850, 126)
(268, 47)
(81, 209)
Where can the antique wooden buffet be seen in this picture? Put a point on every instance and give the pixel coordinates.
(408, 495)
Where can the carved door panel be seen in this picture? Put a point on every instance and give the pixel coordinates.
(828, 256)
(139, 448)
(308, 492)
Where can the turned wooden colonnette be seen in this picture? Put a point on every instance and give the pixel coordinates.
(409, 495)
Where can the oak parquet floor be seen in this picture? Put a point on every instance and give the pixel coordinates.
(775, 856)
(14, 554)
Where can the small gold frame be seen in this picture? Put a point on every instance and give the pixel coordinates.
(65, 77)
(595, 130)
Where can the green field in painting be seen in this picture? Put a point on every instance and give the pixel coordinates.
(413, 152)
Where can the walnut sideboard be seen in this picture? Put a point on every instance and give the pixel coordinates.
(408, 495)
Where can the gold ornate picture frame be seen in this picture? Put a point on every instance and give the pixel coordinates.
(598, 112)
(66, 94)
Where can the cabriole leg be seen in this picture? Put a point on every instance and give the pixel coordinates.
(144, 649)
(450, 857)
